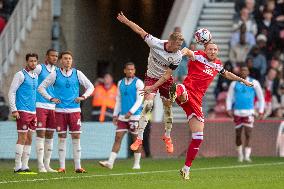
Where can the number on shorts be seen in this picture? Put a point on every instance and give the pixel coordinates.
(133, 125)
(250, 119)
(79, 122)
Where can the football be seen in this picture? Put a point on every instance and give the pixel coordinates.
(202, 36)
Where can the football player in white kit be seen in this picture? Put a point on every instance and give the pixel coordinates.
(164, 57)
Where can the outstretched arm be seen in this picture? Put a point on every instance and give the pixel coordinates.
(189, 53)
(233, 77)
(137, 29)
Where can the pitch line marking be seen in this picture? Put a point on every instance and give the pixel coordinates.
(139, 173)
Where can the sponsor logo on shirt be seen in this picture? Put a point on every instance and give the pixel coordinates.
(159, 62)
(208, 70)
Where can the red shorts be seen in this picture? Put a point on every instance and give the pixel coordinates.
(243, 121)
(63, 120)
(131, 126)
(192, 107)
(26, 122)
(163, 89)
(45, 119)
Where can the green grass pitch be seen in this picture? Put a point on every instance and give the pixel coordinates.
(206, 173)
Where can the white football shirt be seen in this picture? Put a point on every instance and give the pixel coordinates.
(159, 58)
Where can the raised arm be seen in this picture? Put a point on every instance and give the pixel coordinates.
(137, 29)
(233, 77)
(189, 53)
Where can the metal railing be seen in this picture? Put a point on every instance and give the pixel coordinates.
(15, 31)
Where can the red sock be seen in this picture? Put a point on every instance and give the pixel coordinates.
(193, 148)
(179, 90)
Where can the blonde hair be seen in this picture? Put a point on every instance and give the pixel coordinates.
(176, 36)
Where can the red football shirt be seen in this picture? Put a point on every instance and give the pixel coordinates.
(201, 72)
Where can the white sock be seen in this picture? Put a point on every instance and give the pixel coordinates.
(247, 152)
(62, 151)
(18, 156)
(137, 157)
(40, 151)
(26, 156)
(240, 152)
(168, 133)
(48, 147)
(186, 168)
(112, 157)
(77, 153)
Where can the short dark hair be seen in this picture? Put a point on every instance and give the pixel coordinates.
(210, 43)
(28, 55)
(65, 52)
(50, 50)
(128, 64)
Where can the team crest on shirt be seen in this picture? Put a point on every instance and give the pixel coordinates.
(171, 59)
(208, 70)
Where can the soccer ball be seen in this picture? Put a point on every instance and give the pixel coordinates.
(202, 36)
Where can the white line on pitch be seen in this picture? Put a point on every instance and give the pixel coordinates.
(138, 173)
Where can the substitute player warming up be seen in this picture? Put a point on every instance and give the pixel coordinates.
(66, 82)
(22, 100)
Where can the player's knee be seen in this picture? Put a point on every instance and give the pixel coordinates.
(40, 133)
(148, 105)
(75, 135)
(238, 135)
(21, 139)
(118, 139)
(49, 134)
(167, 102)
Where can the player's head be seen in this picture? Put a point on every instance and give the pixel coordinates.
(51, 56)
(31, 60)
(66, 59)
(244, 71)
(129, 69)
(211, 50)
(175, 41)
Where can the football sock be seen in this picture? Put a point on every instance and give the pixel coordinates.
(112, 157)
(193, 148)
(40, 151)
(137, 157)
(26, 156)
(48, 147)
(77, 153)
(62, 151)
(18, 156)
